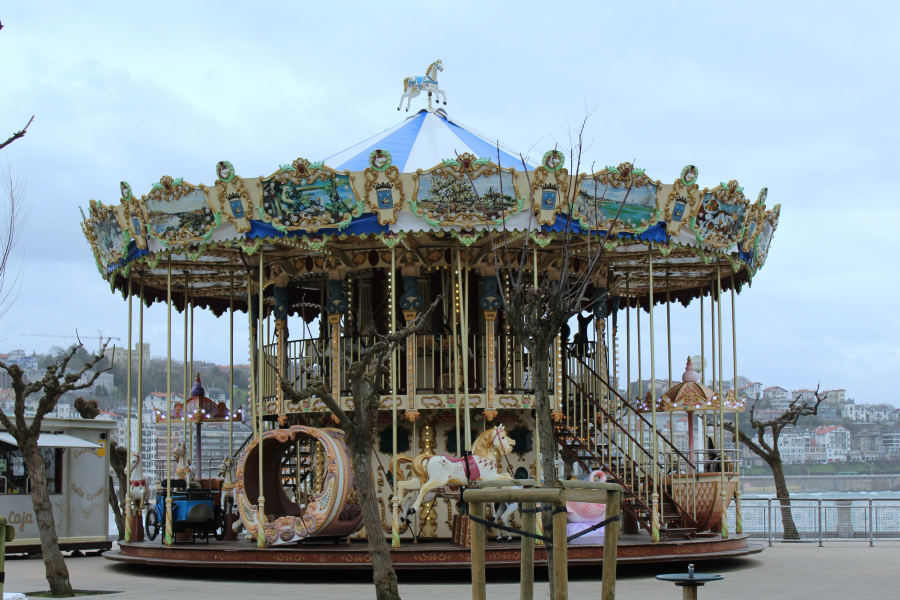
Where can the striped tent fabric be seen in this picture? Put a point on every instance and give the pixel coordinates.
(423, 141)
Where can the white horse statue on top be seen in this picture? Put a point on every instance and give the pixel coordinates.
(413, 86)
(437, 471)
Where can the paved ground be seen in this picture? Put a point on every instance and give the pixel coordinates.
(783, 571)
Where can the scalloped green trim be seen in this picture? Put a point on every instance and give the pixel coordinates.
(467, 239)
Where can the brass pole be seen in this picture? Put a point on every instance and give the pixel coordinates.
(184, 416)
(669, 354)
(169, 539)
(261, 536)
(126, 500)
(739, 522)
(395, 531)
(654, 528)
(721, 405)
(231, 368)
(251, 396)
(140, 386)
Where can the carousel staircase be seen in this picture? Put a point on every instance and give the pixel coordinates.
(620, 454)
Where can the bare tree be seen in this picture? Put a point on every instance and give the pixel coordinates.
(770, 453)
(56, 382)
(17, 134)
(364, 375)
(538, 313)
(118, 460)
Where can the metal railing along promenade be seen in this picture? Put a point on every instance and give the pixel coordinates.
(827, 519)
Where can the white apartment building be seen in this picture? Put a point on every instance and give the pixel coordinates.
(752, 391)
(835, 440)
(867, 413)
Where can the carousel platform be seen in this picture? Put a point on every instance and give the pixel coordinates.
(437, 554)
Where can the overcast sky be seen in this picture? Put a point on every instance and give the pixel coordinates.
(797, 97)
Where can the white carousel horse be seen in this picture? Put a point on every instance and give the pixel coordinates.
(138, 490)
(413, 86)
(226, 472)
(436, 471)
(503, 511)
(183, 470)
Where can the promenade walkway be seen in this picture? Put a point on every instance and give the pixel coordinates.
(796, 572)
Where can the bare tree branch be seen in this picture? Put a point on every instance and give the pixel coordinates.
(17, 134)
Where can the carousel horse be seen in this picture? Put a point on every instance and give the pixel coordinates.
(413, 86)
(226, 472)
(138, 490)
(183, 470)
(435, 471)
(503, 511)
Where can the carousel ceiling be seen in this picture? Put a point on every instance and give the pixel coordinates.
(422, 187)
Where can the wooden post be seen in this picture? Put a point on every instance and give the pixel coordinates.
(526, 588)
(610, 545)
(560, 555)
(479, 592)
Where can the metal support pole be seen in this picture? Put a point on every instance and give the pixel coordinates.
(654, 466)
(723, 494)
(231, 368)
(169, 540)
(140, 392)
(261, 503)
(125, 496)
(738, 516)
(871, 523)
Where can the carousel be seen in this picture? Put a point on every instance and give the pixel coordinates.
(323, 257)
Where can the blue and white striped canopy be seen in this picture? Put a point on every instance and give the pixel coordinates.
(423, 141)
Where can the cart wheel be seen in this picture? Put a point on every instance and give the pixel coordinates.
(219, 518)
(151, 524)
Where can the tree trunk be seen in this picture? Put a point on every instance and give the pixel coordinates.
(541, 373)
(117, 512)
(360, 442)
(787, 519)
(57, 573)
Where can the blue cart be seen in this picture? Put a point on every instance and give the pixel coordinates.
(192, 509)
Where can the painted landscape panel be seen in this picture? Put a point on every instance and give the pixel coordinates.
(292, 203)
(189, 213)
(598, 203)
(720, 222)
(110, 238)
(490, 197)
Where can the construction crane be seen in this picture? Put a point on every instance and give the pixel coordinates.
(100, 337)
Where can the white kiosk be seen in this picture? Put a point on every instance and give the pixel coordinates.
(76, 456)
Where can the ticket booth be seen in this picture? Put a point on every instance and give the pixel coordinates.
(77, 462)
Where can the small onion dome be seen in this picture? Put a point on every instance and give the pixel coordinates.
(689, 395)
(200, 409)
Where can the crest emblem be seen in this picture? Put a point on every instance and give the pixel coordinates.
(380, 160)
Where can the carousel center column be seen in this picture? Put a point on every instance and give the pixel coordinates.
(490, 302)
(336, 306)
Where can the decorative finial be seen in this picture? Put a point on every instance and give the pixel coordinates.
(414, 85)
(690, 375)
(198, 390)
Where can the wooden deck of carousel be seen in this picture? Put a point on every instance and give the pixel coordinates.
(436, 554)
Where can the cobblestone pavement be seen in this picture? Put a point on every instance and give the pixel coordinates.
(784, 571)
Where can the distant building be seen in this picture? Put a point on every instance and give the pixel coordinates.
(801, 395)
(835, 441)
(121, 357)
(751, 390)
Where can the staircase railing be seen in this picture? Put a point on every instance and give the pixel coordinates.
(627, 460)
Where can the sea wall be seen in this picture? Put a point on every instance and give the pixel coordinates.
(810, 484)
